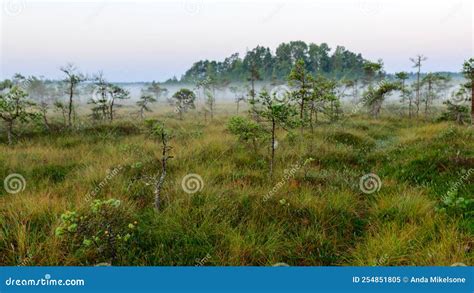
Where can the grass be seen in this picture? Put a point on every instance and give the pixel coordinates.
(318, 216)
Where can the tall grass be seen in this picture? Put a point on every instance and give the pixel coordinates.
(318, 216)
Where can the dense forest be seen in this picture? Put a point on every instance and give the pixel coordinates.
(263, 64)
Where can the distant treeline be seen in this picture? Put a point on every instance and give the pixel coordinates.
(261, 61)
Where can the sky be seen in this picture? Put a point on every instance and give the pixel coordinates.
(155, 40)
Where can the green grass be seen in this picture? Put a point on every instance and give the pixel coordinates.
(318, 216)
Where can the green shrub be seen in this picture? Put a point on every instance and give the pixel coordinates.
(246, 130)
(101, 233)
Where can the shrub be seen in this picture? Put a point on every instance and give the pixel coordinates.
(102, 233)
(246, 130)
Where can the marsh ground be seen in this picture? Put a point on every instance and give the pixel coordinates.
(318, 216)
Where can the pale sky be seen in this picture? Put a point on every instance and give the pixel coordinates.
(154, 40)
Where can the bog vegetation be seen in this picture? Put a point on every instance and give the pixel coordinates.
(316, 169)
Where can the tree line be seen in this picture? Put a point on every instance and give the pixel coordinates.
(311, 94)
(262, 64)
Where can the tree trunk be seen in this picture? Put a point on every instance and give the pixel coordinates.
(410, 108)
(71, 93)
(302, 114)
(112, 110)
(252, 94)
(301, 109)
(10, 132)
(417, 102)
(45, 121)
(212, 110)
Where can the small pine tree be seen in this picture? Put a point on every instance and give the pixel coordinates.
(184, 100)
(276, 115)
(14, 107)
(374, 97)
(144, 104)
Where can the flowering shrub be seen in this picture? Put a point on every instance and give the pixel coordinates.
(102, 233)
